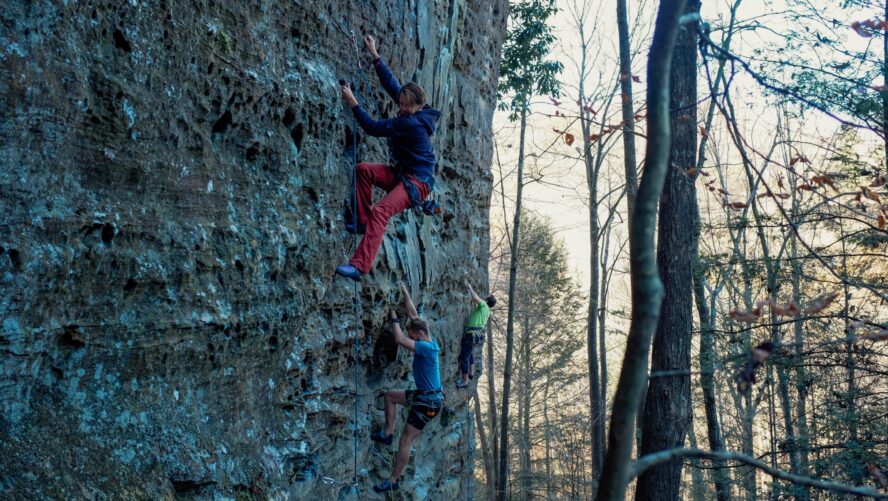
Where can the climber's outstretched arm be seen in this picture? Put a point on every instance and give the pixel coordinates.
(476, 299)
(408, 303)
(398, 334)
(389, 82)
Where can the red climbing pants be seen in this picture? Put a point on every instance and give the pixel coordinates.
(376, 217)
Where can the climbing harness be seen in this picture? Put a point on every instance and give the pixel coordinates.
(427, 207)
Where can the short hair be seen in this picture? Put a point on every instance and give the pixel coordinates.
(418, 324)
(491, 301)
(414, 93)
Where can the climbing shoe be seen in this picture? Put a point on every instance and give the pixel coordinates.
(386, 485)
(382, 438)
(461, 384)
(347, 270)
(355, 229)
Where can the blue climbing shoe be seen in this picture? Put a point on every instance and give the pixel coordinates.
(382, 438)
(386, 485)
(347, 270)
(356, 229)
(461, 384)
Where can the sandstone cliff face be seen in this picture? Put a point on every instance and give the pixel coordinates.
(171, 197)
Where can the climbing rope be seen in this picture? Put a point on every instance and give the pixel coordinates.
(357, 347)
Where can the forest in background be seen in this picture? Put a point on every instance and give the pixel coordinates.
(689, 243)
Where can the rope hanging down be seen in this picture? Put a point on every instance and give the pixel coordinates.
(357, 347)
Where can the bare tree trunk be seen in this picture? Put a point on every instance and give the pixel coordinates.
(628, 115)
(526, 375)
(503, 478)
(485, 447)
(647, 289)
(550, 488)
(748, 473)
(629, 162)
(696, 475)
(491, 410)
(705, 314)
(667, 409)
(772, 287)
(772, 426)
(802, 438)
(597, 428)
(885, 92)
(602, 333)
(707, 382)
(854, 473)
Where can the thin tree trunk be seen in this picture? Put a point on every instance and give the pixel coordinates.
(696, 475)
(748, 473)
(647, 289)
(629, 161)
(526, 376)
(885, 92)
(628, 114)
(772, 288)
(503, 478)
(491, 410)
(707, 378)
(772, 426)
(667, 409)
(802, 438)
(707, 317)
(550, 488)
(602, 332)
(597, 426)
(851, 417)
(485, 447)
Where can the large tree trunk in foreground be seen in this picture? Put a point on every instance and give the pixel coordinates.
(667, 409)
(647, 289)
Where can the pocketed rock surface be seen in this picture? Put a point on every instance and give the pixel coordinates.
(174, 174)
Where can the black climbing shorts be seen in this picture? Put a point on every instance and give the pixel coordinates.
(420, 414)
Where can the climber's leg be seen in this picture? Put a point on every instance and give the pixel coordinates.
(393, 398)
(466, 355)
(406, 443)
(394, 202)
(370, 175)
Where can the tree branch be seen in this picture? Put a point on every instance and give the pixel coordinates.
(658, 457)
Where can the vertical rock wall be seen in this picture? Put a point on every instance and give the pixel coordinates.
(173, 174)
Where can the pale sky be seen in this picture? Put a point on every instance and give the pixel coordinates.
(562, 196)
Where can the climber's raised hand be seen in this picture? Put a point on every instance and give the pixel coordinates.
(370, 42)
(347, 96)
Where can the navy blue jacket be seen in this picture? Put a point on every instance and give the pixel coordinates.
(410, 136)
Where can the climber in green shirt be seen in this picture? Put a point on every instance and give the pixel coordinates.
(473, 337)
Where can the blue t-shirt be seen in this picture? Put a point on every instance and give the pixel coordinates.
(426, 374)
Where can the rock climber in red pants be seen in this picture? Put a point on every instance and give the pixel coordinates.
(412, 177)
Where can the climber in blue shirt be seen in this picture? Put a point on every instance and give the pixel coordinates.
(424, 403)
